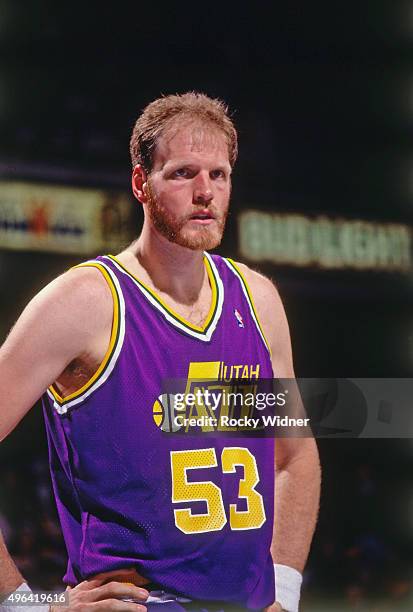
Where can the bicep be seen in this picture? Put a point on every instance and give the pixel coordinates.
(33, 355)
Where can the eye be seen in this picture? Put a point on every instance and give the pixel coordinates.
(180, 173)
(216, 174)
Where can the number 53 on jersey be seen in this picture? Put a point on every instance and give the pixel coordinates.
(206, 491)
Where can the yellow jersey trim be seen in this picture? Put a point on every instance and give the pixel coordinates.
(112, 343)
(250, 298)
(175, 315)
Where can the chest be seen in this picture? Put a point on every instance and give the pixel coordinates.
(194, 311)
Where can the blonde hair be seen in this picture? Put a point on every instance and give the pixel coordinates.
(160, 114)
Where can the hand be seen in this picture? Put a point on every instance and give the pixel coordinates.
(94, 595)
(275, 607)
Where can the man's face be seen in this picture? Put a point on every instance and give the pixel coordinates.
(189, 186)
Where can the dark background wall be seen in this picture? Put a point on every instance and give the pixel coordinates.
(322, 94)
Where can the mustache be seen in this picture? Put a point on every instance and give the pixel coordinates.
(212, 210)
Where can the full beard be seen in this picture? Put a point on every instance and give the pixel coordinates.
(176, 230)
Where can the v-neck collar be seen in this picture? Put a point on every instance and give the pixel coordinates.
(203, 332)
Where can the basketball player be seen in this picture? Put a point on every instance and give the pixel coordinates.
(192, 519)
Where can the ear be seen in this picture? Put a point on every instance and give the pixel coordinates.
(140, 184)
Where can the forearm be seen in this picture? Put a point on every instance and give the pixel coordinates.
(10, 577)
(297, 494)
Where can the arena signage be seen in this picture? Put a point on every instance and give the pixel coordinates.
(329, 243)
(62, 219)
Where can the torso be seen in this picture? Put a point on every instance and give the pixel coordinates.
(116, 506)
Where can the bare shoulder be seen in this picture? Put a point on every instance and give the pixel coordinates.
(81, 292)
(264, 293)
(85, 283)
(69, 319)
(64, 318)
(273, 319)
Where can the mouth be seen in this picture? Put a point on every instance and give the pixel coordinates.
(204, 217)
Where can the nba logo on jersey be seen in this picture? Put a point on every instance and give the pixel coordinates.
(238, 318)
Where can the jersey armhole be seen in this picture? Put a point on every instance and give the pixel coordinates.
(248, 295)
(61, 404)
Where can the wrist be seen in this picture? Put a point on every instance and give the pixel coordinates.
(287, 587)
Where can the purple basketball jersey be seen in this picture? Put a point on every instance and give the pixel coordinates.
(193, 514)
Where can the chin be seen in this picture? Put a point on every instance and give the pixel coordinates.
(199, 241)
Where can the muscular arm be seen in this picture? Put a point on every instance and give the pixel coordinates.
(68, 319)
(297, 482)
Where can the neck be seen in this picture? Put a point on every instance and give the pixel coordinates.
(173, 269)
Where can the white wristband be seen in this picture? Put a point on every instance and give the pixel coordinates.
(287, 587)
(24, 588)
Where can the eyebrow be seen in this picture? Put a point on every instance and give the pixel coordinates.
(185, 163)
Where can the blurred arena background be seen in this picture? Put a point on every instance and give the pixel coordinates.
(323, 202)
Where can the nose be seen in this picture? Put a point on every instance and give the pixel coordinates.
(202, 189)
